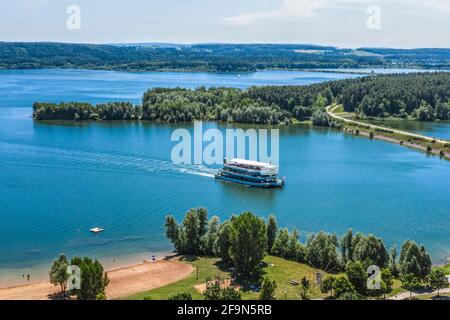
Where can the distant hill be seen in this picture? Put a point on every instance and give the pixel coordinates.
(211, 57)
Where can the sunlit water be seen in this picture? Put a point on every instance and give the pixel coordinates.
(59, 180)
(436, 129)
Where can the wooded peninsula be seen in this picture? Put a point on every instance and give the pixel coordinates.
(418, 96)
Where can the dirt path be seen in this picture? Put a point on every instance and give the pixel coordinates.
(330, 110)
(124, 281)
(405, 295)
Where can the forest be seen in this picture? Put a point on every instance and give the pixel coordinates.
(212, 57)
(345, 258)
(421, 96)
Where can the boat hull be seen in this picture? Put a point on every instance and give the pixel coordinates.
(264, 185)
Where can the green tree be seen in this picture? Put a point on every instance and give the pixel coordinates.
(268, 289)
(248, 238)
(100, 296)
(357, 275)
(59, 274)
(295, 250)
(305, 289)
(93, 278)
(181, 296)
(371, 251)
(320, 118)
(320, 102)
(341, 286)
(386, 284)
(350, 295)
(222, 245)
(414, 260)
(347, 246)
(281, 243)
(215, 292)
(424, 112)
(328, 284)
(230, 294)
(321, 252)
(190, 237)
(393, 265)
(272, 230)
(173, 233)
(410, 282)
(211, 236)
(193, 232)
(438, 280)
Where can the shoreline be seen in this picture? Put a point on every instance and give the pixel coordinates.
(10, 277)
(407, 144)
(439, 147)
(125, 280)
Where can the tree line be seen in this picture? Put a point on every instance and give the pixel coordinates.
(244, 240)
(421, 96)
(89, 284)
(203, 57)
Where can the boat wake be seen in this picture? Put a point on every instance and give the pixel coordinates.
(50, 156)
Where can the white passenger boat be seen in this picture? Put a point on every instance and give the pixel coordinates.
(250, 173)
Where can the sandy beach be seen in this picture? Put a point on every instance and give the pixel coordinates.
(125, 281)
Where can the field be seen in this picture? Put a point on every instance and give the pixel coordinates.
(280, 270)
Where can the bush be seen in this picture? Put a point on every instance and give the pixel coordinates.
(268, 290)
(181, 296)
(215, 292)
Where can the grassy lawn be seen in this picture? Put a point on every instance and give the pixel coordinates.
(282, 272)
(445, 269)
(397, 288)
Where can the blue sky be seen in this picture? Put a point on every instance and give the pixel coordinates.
(343, 23)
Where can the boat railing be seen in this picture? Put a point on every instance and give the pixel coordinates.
(250, 169)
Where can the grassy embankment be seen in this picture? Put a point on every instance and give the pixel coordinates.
(278, 269)
(431, 146)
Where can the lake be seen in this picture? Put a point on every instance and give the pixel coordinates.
(436, 129)
(59, 180)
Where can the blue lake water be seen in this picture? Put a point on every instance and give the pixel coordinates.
(59, 180)
(436, 129)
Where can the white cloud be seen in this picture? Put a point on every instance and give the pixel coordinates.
(288, 9)
(440, 5)
(308, 8)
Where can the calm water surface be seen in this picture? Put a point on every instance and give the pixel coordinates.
(58, 180)
(437, 129)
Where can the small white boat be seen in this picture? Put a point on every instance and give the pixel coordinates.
(96, 230)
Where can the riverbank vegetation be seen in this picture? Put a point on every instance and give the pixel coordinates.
(423, 96)
(338, 266)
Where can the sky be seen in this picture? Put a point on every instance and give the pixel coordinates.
(342, 23)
